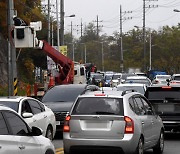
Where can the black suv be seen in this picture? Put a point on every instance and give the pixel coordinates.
(166, 101)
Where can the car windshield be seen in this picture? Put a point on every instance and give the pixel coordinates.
(108, 77)
(139, 89)
(163, 77)
(62, 95)
(138, 81)
(177, 78)
(98, 106)
(115, 77)
(98, 76)
(12, 105)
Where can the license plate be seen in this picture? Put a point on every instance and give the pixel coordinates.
(58, 123)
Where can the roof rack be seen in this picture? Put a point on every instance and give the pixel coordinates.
(127, 91)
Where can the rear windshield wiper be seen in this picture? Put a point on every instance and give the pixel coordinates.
(104, 112)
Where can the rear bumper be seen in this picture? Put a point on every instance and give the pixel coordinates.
(172, 125)
(77, 145)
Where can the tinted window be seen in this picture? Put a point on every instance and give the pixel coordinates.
(177, 78)
(147, 107)
(26, 107)
(17, 125)
(12, 105)
(160, 95)
(87, 106)
(67, 94)
(36, 108)
(141, 110)
(3, 127)
(82, 71)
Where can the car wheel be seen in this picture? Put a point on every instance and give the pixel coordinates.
(49, 151)
(49, 133)
(159, 148)
(140, 147)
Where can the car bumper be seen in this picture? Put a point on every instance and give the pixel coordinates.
(126, 145)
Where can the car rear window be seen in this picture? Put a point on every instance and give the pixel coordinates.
(98, 106)
(12, 105)
(161, 93)
(62, 94)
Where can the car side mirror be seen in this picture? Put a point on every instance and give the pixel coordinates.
(27, 115)
(35, 131)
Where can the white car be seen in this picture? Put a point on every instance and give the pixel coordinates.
(16, 137)
(141, 88)
(116, 79)
(33, 112)
(138, 79)
(161, 79)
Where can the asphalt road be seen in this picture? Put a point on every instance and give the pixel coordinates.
(172, 144)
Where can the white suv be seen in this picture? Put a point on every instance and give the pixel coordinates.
(112, 122)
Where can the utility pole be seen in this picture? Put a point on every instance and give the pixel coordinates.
(62, 23)
(57, 19)
(12, 69)
(121, 38)
(144, 29)
(144, 36)
(49, 26)
(97, 26)
(121, 43)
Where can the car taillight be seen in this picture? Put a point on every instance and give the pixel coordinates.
(129, 125)
(66, 127)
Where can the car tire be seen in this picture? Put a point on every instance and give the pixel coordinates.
(49, 133)
(140, 147)
(49, 151)
(159, 148)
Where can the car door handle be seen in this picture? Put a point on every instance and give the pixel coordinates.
(152, 122)
(45, 116)
(22, 147)
(34, 120)
(142, 122)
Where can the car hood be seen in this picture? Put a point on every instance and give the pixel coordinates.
(59, 106)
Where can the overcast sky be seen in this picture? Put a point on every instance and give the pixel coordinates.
(108, 13)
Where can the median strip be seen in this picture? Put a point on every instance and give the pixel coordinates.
(60, 151)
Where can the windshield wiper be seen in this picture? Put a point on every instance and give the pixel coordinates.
(104, 112)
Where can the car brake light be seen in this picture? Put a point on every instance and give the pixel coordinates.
(66, 127)
(100, 94)
(166, 87)
(129, 125)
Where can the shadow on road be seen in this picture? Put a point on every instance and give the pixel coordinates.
(172, 136)
(58, 135)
